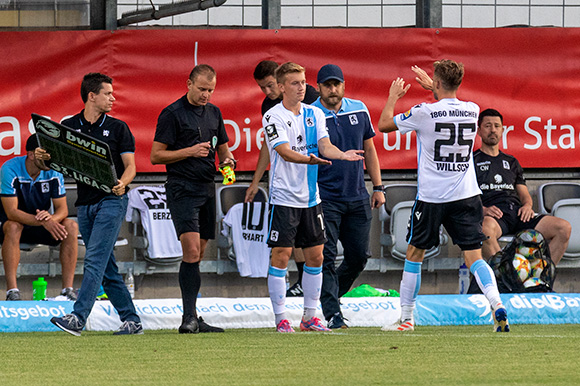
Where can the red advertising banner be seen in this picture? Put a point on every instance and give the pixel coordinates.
(530, 75)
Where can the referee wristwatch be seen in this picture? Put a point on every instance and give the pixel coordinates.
(379, 188)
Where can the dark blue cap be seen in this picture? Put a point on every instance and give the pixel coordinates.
(330, 71)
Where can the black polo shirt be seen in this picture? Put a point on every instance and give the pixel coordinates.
(497, 178)
(182, 125)
(117, 135)
(309, 97)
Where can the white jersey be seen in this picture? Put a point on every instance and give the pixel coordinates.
(291, 184)
(445, 136)
(248, 226)
(151, 203)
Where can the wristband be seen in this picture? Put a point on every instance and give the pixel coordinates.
(379, 188)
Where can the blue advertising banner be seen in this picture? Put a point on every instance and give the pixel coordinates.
(435, 310)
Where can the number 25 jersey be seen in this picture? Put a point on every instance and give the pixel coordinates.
(446, 133)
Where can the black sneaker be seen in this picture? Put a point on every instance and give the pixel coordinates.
(204, 327)
(130, 328)
(69, 293)
(13, 295)
(337, 321)
(295, 291)
(189, 325)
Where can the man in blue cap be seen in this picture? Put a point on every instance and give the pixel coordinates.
(345, 200)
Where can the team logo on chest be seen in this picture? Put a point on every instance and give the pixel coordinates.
(309, 121)
(105, 133)
(506, 165)
(353, 119)
(44, 187)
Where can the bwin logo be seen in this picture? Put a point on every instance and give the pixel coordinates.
(299, 139)
(497, 178)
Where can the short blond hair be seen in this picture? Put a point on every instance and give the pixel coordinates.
(287, 68)
(450, 73)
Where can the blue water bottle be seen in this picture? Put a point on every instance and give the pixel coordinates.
(463, 279)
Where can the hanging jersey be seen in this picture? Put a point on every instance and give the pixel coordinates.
(293, 184)
(248, 226)
(445, 135)
(151, 203)
(498, 177)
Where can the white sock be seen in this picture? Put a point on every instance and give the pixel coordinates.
(410, 285)
(486, 281)
(311, 284)
(277, 289)
(11, 290)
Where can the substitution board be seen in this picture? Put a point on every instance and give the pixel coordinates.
(76, 155)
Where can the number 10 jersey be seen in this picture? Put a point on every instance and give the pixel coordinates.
(446, 133)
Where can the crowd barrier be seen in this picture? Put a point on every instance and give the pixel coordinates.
(28, 316)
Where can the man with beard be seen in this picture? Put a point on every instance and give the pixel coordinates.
(507, 204)
(345, 200)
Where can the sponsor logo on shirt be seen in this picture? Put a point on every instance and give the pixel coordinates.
(267, 117)
(299, 139)
(271, 132)
(406, 115)
(498, 179)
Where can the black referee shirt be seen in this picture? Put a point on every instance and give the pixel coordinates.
(182, 125)
(117, 135)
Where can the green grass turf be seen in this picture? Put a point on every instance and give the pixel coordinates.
(450, 355)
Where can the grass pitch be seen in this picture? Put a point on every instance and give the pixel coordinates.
(451, 355)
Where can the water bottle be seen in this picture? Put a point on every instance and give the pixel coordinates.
(130, 282)
(463, 279)
(39, 289)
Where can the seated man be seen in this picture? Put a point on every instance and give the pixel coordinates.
(28, 188)
(507, 204)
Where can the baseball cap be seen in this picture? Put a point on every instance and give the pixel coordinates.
(329, 71)
(32, 142)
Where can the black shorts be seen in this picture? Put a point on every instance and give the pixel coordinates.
(33, 235)
(192, 207)
(296, 227)
(510, 222)
(462, 219)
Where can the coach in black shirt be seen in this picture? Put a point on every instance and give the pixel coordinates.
(189, 133)
(507, 204)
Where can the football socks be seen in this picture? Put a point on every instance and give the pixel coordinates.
(189, 282)
(486, 280)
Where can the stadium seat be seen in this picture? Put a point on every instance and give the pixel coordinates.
(569, 210)
(399, 203)
(226, 197)
(551, 192)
